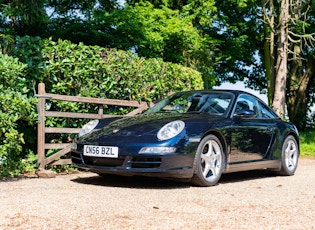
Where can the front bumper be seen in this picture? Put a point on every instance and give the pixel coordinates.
(165, 166)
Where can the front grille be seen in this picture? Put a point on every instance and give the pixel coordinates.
(145, 162)
(106, 162)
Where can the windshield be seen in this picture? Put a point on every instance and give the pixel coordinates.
(216, 103)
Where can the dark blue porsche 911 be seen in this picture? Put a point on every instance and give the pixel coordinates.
(194, 136)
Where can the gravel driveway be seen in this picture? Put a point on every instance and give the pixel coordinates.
(247, 200)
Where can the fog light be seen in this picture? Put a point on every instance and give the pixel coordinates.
(157, 150)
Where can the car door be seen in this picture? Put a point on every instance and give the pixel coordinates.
(251, 136)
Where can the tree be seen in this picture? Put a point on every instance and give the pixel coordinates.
(74, 20)
(251, 37)
(282, 61)
(239, 49)
(301, 62)
(20, 17)
(171, 30)
(157, 33)
(293, 75)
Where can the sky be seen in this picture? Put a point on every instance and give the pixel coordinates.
(240, 86)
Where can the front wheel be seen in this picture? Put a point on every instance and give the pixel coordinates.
(209, 162)
(290, 156)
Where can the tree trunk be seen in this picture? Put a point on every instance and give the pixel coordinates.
(282, 60)
(269, 51)
(299, 91)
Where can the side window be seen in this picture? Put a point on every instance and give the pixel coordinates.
(246, 102)
(266, 112)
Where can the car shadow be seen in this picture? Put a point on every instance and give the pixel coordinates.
(135, 182)
(143, 182)
(245, 176)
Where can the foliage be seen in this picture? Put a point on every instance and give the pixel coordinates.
(307, 139)
(289, 25)
(23, 17)
(6, 44)
(29, 51)
(109, 73)
(238, 30)
(310, 120)
(12, 72)
(247, 49)
(15, 109)
(159, 33)
(18, 111)
(151, 30)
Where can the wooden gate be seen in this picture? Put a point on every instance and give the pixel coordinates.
(64, 148)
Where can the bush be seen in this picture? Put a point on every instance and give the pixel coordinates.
(12, 73)
(16, 111)
(98, 72)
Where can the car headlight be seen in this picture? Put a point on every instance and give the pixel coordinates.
(88, 127)
(170, 130)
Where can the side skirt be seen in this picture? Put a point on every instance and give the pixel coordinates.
(274, 165)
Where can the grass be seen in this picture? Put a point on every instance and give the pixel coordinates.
(307, 144)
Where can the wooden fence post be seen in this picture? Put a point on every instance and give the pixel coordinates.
(41, 125)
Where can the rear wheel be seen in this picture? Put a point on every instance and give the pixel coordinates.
(209, 162)
(290, 156)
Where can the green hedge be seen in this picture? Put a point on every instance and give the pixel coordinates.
(98, 72)
(17, 112)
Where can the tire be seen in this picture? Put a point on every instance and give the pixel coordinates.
(209, 162)
(290, 156)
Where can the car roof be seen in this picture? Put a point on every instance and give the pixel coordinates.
(235, 92)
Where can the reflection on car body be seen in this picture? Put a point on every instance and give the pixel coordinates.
(194, 136)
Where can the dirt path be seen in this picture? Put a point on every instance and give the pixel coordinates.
(255, 200)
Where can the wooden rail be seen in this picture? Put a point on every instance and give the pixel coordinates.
(42, 146)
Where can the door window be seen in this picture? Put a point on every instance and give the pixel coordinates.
(246, 102)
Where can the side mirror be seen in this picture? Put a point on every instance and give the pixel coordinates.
(245, 114)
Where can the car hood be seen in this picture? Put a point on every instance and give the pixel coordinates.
(149, 124)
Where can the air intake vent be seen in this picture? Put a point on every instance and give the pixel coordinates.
(145, 162)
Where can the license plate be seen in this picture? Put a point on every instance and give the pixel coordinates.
(100, 151)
